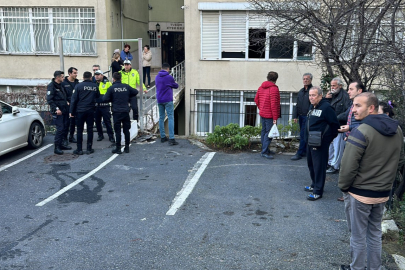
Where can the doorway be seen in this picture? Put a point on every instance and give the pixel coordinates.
(172, 48)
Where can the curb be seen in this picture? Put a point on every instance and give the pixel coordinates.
(390, 229)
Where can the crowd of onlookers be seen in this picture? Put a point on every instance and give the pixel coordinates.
(350, 133)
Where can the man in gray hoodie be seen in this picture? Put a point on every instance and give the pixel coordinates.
(368, 169)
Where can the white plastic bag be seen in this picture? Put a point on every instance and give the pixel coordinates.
(274, 132)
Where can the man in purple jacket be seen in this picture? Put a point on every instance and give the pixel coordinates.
(164, 94)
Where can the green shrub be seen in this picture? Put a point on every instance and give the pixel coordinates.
(232, 136)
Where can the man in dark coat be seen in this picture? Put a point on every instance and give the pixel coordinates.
(57, 100)
(300, 113)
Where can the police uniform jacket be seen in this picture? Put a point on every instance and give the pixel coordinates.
(131, 78)
(102, 88)
(56, 97)
(119, 94)
(69, 87)
(84, 97)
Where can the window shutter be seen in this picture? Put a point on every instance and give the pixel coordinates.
(210, 35)
(233, 31)
(257, 21)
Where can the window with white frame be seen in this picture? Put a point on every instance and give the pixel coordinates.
(36, 30)
(247, 35)
(222, 107)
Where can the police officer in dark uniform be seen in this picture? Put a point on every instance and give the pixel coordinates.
(119, 95)
(57, 100)
(103, 109)
(69, 84)
(82, 107)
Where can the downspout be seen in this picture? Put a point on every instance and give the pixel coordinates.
(122, 23)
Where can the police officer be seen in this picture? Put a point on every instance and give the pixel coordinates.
(82, 107)
(103, 108)
(69, 84)
(57, 100)
(131, 77)
(119, 95)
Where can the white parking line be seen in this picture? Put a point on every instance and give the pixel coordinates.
(24, 158)
(190, 183)
(81, 179)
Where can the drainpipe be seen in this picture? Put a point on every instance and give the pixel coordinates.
(122, 23)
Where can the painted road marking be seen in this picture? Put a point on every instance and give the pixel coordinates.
(190, 183)
(81, 179)
(24, 158)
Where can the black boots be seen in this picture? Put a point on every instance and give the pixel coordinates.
(78, 151)
(126, 148)
(89, 149)
(117, 149)
(65, 146)
(57, 150)
(72, 139)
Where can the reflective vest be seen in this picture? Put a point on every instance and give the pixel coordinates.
(103, 86)
(131, 78)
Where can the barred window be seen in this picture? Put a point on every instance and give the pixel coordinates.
(36, 30)
(222, 107)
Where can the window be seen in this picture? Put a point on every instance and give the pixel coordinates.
(247, 35)
(36, 30)
(154, 41)
(222, 107)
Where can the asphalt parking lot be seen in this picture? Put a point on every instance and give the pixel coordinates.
(165, 207)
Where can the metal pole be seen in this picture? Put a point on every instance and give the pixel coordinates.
(140, 63)
(62, 63)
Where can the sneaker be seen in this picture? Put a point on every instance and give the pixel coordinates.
(296, 157)
(164, 139)
(308, 188)
(344, 267)
(173, 142)
(267, 156)
(314, 197)
(331, 170)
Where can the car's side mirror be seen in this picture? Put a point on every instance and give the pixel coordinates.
(15, 110)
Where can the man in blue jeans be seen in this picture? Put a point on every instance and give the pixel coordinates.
(300, 113)
(164, 95)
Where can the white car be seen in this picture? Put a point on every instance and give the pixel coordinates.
(19, 127)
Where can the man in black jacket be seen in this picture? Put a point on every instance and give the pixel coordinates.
(321, 117)
(82, 107)
(119, 95)
(300, 113)
(339, 100)
(69, 84)
(57, 100)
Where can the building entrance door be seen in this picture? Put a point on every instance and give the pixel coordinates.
(172, 48)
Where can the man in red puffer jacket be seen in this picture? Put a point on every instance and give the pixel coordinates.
(268, 101)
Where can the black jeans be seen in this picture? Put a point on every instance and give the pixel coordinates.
(134, 106)
(317, 159)
(121, 118)
(146, 72)
(72, 126)
(103, 112)
(88, 118)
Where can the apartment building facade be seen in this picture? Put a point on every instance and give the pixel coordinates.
(225, 67)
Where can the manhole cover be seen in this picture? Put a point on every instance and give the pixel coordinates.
(59, 158)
